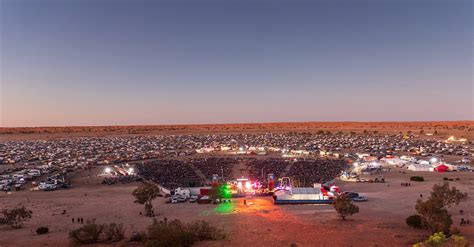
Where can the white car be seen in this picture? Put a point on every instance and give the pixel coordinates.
(193, 199)
(182, 198)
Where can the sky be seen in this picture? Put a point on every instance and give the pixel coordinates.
(104, 62)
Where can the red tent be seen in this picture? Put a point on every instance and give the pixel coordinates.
(441, 168)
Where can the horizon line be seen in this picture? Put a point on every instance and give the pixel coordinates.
(234, 123)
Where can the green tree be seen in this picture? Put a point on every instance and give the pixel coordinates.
(414, 221)
(448, 196)
(15, 217)
(145, 194)
(344, 206)
(434, 210)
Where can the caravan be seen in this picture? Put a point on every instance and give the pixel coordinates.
(182, 192)
(34, 173)
(47, 186)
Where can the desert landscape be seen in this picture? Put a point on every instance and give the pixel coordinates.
(381, 221)
(99, 193)
(289, 123)
(444, 129)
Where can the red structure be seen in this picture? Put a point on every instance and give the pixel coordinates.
(441, 168)
(204, 192)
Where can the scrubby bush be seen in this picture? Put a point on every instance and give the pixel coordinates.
(457, 241)
(446, 178)
(175, 233)
(15, 217)
(42, 230)
(437, 239)
(172, 233)
(204, 231)
(93, 233)
(114, 232)
(87, 234)
(414, 221)
(455, 231)
(417, 178)
(138, 237)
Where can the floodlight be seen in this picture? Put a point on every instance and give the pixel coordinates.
(248, 185)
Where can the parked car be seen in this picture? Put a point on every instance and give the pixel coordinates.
(360, 199)
(193, 199)
(351, 194)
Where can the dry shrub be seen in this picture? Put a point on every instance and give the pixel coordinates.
(114, 232)
(176, 233)
(93, 233)
(87, 234)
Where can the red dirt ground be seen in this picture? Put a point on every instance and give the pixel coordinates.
(381, 221)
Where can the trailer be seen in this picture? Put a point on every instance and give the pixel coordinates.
(301, 196)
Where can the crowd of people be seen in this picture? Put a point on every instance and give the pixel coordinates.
(174, 173)
(308, 172)
(169, 173)
(121, 179)
(259, 167)
(221, 166)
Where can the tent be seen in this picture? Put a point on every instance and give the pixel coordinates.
(394, 161)
(419, 167)
(442, 168)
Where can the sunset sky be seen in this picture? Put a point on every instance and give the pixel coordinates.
(103, 62)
